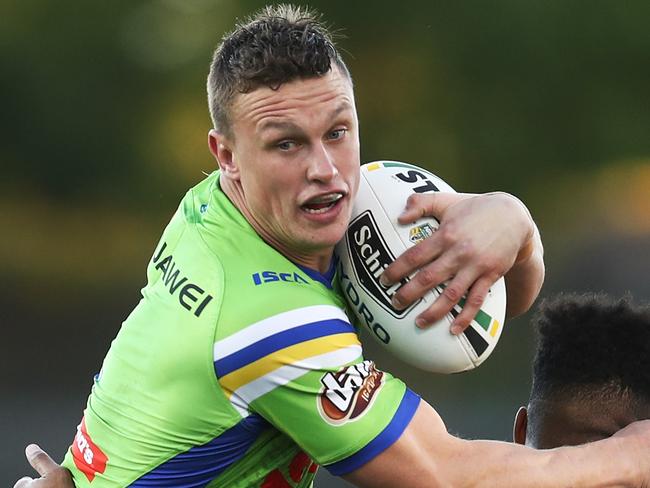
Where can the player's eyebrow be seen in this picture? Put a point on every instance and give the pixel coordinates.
(342, 107)
(278, 125)
(290, 126)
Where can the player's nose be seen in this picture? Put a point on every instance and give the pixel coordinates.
(322, 165)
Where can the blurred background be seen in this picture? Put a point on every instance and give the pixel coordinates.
(103, 127)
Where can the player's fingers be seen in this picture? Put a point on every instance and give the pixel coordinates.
(425, 279)
(23, 482)
(421, 205)
(418, 206)
(412, 259)
(472, 304)
(40, 460)
(450, 295)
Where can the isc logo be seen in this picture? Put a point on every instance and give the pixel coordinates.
(271, 276)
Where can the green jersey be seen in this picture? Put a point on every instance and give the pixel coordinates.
(237, 368)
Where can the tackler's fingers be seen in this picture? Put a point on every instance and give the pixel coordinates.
(24, 482)
(40, 460)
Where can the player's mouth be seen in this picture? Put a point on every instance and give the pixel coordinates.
(322, 203)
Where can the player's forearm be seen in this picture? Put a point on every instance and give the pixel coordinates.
(490, 463)
(426, 456)
(524, 280)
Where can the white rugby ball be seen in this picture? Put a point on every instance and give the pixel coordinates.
(373, 240)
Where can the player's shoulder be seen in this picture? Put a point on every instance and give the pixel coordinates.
(198, 231)
(213, 224)
(184, 268)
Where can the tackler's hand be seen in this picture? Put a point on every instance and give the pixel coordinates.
(479, 240)
(52, 475)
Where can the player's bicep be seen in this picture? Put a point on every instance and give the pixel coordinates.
(411, 460)
(342, 415)
(304, 372)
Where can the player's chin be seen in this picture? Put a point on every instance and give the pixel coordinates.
(330, 237)
(324, 237)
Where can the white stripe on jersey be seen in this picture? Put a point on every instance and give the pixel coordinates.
(245, 395)
(274, 324)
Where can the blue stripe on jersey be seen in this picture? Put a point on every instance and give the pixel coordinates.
(327, 278)
(385, 439)
(200, 465)
(278, 341)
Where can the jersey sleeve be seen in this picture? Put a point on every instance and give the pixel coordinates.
(304, 372)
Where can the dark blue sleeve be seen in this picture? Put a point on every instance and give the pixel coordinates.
(384, 439)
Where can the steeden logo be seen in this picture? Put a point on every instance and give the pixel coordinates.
(348, 393)
(87, 457)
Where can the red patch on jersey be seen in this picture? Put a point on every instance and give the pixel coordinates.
(300, 465)
(87, 456)
(275, 480)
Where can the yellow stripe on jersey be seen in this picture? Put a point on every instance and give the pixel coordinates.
(242, 376)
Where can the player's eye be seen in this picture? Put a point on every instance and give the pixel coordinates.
(286, 145)
(336, 134)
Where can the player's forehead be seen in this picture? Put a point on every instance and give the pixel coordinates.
(573, 422)
(301, 101)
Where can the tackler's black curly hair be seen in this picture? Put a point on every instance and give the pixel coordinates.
(592, 347)
(279, 44)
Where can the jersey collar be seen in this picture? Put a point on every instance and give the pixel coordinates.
(326, 278)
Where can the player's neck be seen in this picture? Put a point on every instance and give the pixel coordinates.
(318, 260)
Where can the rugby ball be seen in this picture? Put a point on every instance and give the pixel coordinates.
(372, 241)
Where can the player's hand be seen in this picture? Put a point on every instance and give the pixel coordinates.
(52, 475)
(479, 239)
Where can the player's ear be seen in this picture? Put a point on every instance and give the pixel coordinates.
(221, 148)
(521, 423)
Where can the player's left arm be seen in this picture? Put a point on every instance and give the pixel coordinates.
(480, 239)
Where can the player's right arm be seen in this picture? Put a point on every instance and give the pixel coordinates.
(427, 456)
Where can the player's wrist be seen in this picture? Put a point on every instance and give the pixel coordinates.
(525, 251)
(525, 219)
